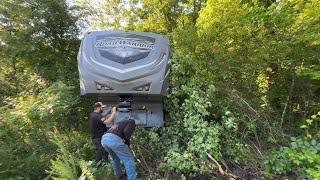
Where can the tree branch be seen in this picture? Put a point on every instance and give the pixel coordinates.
(221, 171)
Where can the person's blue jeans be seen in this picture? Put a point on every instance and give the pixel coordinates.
(118, 150)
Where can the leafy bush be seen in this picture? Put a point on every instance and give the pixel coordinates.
(302, 157)
(91, 170)
(244, 74)
(26, 130)
(66, 164)
(310, 125)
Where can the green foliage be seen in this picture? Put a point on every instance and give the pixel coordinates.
(193, 136)
(153, 16)
(314, 119)
(91, 170)
(86, 172)
(301, 157)
(198, 125)
(244, 75)
(26, 130)
(40, 36)
(64, 165)
(69, 164)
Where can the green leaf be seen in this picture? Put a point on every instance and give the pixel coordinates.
(309, 121)
(314, 116)
(303, 126)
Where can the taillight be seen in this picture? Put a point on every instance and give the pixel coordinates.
(145, 87)
(101, 86)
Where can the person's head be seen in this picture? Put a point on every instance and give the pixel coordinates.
(98, 107)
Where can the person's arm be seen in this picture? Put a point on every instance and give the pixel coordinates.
(109, 120)
(106, 112)
(128, 130)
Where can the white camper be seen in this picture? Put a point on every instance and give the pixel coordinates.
(128, 70)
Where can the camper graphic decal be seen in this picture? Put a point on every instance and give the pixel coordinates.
(124, 48)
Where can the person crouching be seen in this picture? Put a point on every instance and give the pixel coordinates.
(116, 142)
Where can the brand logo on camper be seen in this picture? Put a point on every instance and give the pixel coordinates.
(124, 48)
(124, 42)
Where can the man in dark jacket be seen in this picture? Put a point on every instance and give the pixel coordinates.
(116, 141)
(98, 127)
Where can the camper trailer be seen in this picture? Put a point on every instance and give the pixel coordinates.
(128, 70)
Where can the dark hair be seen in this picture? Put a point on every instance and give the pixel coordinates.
(97, 105)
